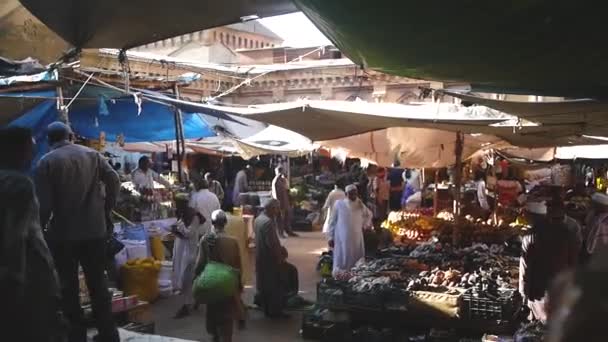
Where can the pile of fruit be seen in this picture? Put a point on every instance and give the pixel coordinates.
(411, 226)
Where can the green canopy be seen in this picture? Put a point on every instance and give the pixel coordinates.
(524, 46)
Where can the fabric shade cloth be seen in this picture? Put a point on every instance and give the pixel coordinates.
(23, 35)
(413, 147)
(272, 140)
(559, 118)
(327, 120)
(125, 24)
(552, 48)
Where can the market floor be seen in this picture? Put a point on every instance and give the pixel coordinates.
(303, 253)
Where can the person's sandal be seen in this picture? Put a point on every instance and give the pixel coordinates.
(184, 311)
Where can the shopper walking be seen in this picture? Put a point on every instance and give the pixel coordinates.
(204, 203)
(269, 258)
(280, 192)
(29, 286)
(348, 220)
(217, 246)
(76, 186)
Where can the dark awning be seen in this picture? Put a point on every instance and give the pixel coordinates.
(129, 23)
(531, 47)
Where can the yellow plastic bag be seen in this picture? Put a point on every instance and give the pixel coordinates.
(158, 249)
(140, 277)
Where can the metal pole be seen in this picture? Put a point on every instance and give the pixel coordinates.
(457, 185)
(63, 112)
(495, 209)
(436, 194)
(177, 119)
(179, 138)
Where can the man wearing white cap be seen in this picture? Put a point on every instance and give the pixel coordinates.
(348, 219)
(547, 250)
(596, 236)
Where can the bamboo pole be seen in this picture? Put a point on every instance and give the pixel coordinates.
(457, 185)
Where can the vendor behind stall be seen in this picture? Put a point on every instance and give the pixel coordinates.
(412, 192)
(144, 177)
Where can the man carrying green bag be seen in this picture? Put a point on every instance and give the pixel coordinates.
(218, 279)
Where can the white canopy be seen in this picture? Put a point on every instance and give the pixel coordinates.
(413, 147)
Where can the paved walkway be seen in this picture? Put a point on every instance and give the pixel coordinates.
(303, 253)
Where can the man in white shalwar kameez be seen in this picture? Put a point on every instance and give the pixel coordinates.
(334, 196)
(349, 218)
(185, 251)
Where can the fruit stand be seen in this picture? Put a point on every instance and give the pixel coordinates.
(424, 282)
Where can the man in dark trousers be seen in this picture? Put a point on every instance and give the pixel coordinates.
(548, 249)
(76, 186)
(269, 258)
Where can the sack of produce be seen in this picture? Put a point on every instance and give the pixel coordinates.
(217, 282)
(140, 278)
(440, 305)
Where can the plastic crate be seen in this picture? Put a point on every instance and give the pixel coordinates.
(397, 300)
(476, 307)
(330, 295)
(365, 301)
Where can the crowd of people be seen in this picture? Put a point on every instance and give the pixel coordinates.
(52, 225)
(55, 217)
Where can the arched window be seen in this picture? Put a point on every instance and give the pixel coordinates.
(233, 41)
(257, 45)
(214, 36)
(240, 42)
(245, 41)
(221, 37)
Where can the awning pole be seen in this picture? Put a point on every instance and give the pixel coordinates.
(178, 137)
(495, 208)
(436, 194)
(457, 185)
(63, 112)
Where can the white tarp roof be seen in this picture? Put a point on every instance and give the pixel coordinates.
(413, 147)
(326, 120)
(558, 118)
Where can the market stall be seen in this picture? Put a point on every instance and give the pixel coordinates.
(424, 282)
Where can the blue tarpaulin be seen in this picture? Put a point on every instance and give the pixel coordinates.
(154, 123)
(37, 119)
